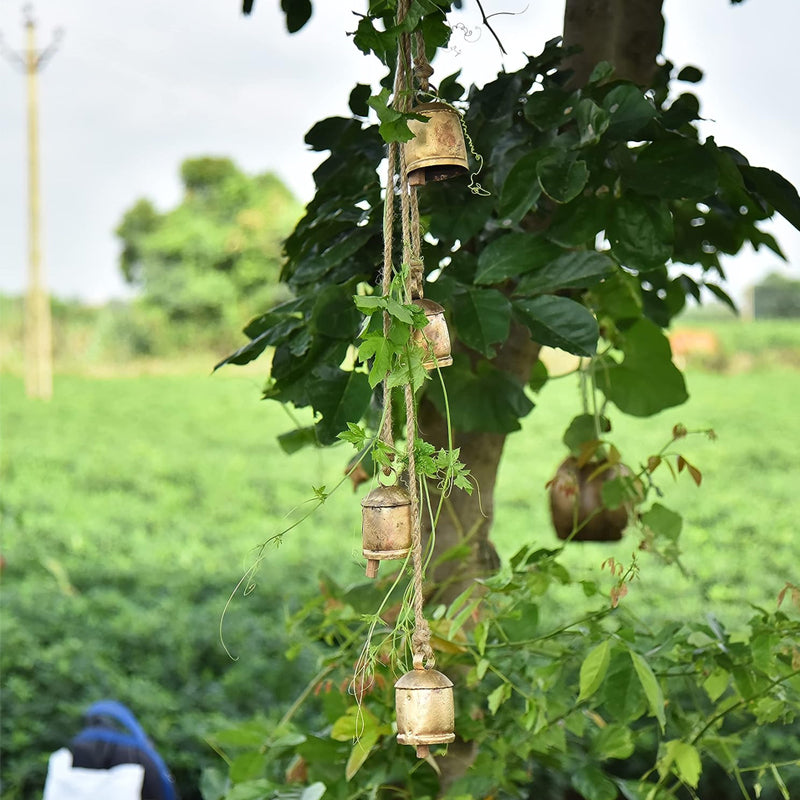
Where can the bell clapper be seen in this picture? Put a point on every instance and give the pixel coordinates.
(423, 751)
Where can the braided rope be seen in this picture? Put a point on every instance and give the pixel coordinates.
(421, 650)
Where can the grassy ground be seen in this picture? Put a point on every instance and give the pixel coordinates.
(132, 504)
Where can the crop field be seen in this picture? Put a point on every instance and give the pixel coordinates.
(133, 504)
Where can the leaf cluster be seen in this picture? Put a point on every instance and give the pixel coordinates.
(602, 704)
(598, 195)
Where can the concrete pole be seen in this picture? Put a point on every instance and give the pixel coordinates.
(38, 325)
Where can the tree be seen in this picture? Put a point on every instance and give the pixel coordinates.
(586, 144)
(215, 253)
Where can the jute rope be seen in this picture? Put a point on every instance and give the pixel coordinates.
(421, 650)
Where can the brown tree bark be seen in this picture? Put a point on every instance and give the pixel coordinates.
(468, 518)
(626, 33)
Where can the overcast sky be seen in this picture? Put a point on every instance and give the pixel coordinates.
(139, 85)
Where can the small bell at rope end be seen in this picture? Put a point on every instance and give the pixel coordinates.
(385, 526)
(437, 152)
(425, 710)
(435, 336)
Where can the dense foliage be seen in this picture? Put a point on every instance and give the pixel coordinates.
(217, 254)
(776, 296)
(122, 538)
(594, 196)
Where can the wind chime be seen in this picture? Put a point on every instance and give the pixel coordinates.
(391, 513)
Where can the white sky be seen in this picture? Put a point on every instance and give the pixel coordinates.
(139, 85)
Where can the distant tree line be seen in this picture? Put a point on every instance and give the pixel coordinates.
(214, 258)
(776, 296)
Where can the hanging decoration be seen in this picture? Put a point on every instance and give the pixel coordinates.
(391, 514)
(385, 526)
(437, 151)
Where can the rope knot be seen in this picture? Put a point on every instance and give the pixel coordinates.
(421, 647)
(415, 277)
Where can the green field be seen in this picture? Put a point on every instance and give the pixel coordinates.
(131, 506)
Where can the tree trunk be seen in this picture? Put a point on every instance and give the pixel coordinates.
(626, 33)
(468, 518)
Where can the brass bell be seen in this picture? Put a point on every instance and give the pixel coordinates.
(423, 701)
(437, 151)
(434, 338)
(385, 526)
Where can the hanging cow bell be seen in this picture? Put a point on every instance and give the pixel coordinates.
(437, 151)
(385, 526)
(434, 338)
(425, 710)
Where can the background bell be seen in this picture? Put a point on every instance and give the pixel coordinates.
(434, 337)
(385, 526)
(425, 710)
(437, 151)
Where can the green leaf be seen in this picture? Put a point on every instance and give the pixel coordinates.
(512, 255)
(640, 231)
(592, 120)
(716, 683)
(253, 734)
(629, 111)
(248, 766)
(622, 692)
(559, 322)
(619, 296)
(561, 177)
(260, 789)
(498, 697)
(602, 71)
(576, 269)
(313, 792)
(451, 216)
(663, 522)
(690, 74)
(409, 368)
(340, 397)
(673, 169)
(297, 12)
(776, 190)
(292, 441)
(576, 224)
(539, 376)
(359, 98)
(683, 109)
(488, 399)
(651, 687)
(613, 741)
(686, 759)
(593, 669)
(593, 784)
(583, 429)
(334, 314)
(375, 346)
(646, 381)
(482, 318)
(360, 752)
(550, 108)
(393, 124)
(521, 190)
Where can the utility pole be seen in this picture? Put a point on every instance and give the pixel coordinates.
(38, 326)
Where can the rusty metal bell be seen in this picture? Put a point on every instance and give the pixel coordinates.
(425, 710)
(437, 151)
(385, 526)
(434, 338)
